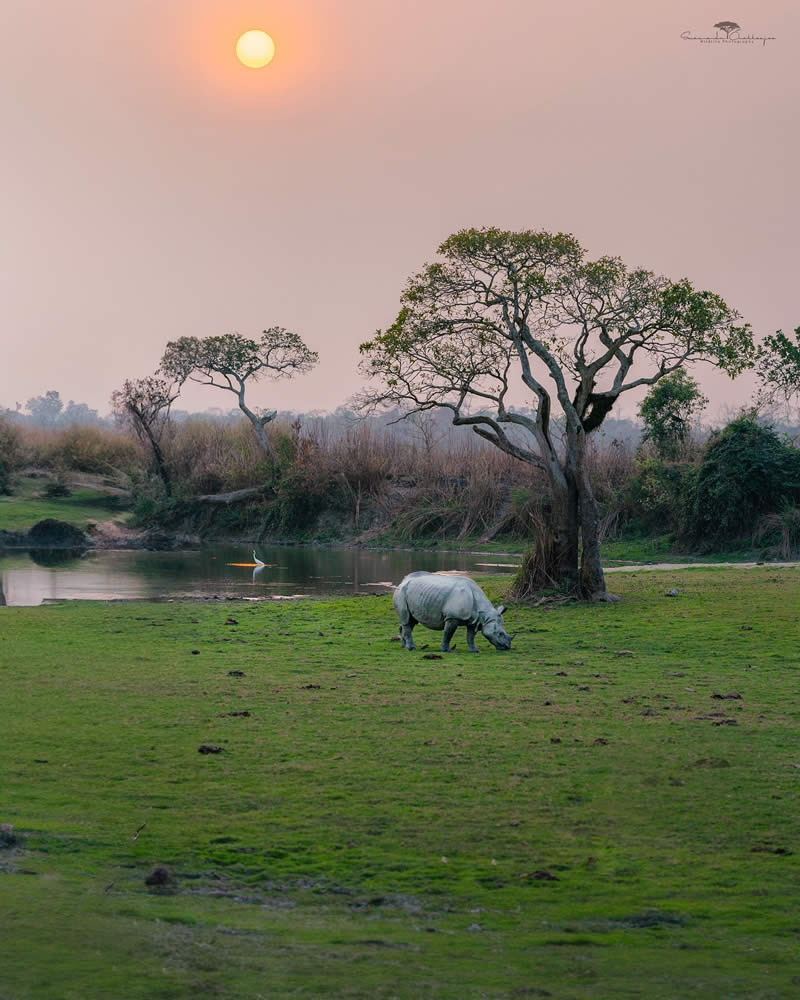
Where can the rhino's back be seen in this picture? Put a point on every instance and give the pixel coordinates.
(431, 598)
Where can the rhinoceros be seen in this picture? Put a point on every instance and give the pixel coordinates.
(444, 603)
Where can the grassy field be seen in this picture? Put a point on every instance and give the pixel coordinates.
(27, 506)
(609, 811)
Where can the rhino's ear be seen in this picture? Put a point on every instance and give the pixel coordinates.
(501, 609)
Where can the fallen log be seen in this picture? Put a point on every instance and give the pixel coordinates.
(237, 496)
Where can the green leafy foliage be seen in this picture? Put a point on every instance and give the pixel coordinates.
(303, 487)
(657, 496)
(10, 453)
(747, 471)
(668, 410)
(778, 366)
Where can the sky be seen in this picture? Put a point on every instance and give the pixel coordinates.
(153, 188)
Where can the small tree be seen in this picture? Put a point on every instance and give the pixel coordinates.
(778, 367)
(729, 27)
(668, 410)
(144, 404)
(231, 361)
(524, 313)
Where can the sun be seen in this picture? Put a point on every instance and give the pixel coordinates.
(255, 49)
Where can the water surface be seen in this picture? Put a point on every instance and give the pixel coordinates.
(30, 578)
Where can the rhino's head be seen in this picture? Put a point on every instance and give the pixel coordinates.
(493, 630)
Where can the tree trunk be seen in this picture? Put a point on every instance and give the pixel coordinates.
(158, 460)
(593, 583)
(258, 426)
(565, 553)
(592, 580)
(552, 560)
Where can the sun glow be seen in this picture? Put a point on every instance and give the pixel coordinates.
(255, 49)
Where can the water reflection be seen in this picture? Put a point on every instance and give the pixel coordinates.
(55, 557)
(27, 578)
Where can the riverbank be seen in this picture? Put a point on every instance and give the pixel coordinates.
(92, 501)
(555, 819)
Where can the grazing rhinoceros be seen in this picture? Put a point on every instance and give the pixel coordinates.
(445, 602)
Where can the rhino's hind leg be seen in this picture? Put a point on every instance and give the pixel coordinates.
(471, 648)
(406, 630)
(449, 630)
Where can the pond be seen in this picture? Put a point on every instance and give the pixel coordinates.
(31, 578)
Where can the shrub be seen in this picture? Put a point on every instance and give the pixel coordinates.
(657, 496)
(782, 527)
(82, 449)
(10, 453)
(207, 456)
(746, 471)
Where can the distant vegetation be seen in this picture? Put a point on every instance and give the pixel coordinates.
(418, 482)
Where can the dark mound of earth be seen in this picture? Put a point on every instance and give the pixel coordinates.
(54, 534)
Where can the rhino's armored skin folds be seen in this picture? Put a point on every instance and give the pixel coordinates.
(444, 603)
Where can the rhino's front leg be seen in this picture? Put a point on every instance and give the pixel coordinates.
(407, 637)
(471, 639)
(449, 629)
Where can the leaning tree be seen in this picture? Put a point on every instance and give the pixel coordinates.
(231, 361)
(508, 328)
(144, 404)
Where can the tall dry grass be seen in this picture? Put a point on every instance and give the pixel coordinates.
(81, 449)
(424, 478)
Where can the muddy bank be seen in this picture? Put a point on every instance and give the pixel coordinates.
(52, 534)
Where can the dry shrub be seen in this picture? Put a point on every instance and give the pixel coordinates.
(782, 526)
(81, 448)
(534, 573)
(209, 456)
(612, 465)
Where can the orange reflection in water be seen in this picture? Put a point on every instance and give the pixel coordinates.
(253, 565)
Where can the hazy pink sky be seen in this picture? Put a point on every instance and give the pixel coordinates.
(153, 188)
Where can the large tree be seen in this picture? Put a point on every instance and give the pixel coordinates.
(508, 328)
(231, 361)
(144, 404)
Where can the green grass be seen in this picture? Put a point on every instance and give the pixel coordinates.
(472, 543)
(371, 829)
(26, 506)
(661, 549)
(632, 549)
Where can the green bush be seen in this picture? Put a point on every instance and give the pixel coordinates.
(747, 471)
(10, 453)
(656, 496)
(303, 484)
